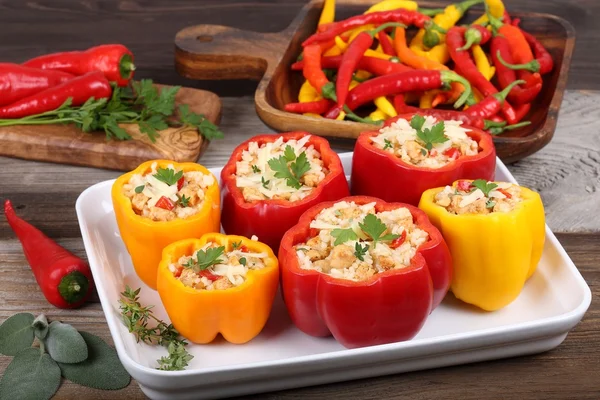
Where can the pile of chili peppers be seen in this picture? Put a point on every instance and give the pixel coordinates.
(46, 82)
(490, 71)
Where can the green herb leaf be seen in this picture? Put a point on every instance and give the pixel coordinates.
(433, 135)
(343, 235)
(207, 258)
(168, 176)
(360, 251)
(289, 153)
(16, 334)
(177, 359)
(484, 186)
(140, 189)
(206, 128)
(102, 368)
(30, 375)
(388, 144)
(40, 327)
(184, 201)
(374, 227)
(236, 245)
(243, 261)
(490, 204)
(255, 169)
(65, 344)
(417, 122)
(300, 166)
(264, 182)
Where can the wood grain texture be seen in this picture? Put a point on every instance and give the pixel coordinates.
(219, 52)
(68, 145)
(570, 371)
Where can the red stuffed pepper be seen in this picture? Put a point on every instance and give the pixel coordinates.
(270, 180)
(412, 153)
(363, 270)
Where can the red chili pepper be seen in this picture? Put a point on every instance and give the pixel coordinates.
(500, 51)
(406, 183)
(65, 280)
(505, 17)
(522, 110)
(114, 60)
(313, 72)
(388, 307)
(243, 218)
(165, 203)
(78, 89)
(208, 275)
(405, 17)
(542, 56)
(18, 82)
(373, 65)
(415, 80)
(398, 241)
(463, 185)
(504, 192)
(315, 107)
(476, 34)
(491, 105)
(180, 183)
(386, 44)
(464, 62)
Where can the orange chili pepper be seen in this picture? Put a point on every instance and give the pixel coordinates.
(411, 59)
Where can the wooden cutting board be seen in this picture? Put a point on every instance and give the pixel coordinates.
(68, 145)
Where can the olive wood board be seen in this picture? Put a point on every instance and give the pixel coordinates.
(66, 144)
(209, 52)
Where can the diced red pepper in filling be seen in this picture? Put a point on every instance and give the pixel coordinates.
(165, 203)
(433, 153)
(463, 185)
(244, 249)
(504, 192)
(398, 241)
(180, 183)
(178, 272)
(452, 153)
(208, 275)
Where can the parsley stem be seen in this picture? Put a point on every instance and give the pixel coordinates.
(10, 122)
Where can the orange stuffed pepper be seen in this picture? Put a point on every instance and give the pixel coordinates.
(159, 203)
(218, 284)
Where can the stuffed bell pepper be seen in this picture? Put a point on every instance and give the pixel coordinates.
(159, 203)
(363, 270)
(270, 180)
(495, 232)
(406, 157)
(218, 284)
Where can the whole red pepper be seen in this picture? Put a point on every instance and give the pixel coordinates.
(114, 60)
(315, 107)
(313, 72)
(78, 89)
(388, 307)
(65, 280)
(373, 65)
(269, 219)
(404, 182)
(18, 82)
(464, 62)
(476, 34)
(405, 17)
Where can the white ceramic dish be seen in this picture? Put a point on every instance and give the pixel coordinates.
(553, 301)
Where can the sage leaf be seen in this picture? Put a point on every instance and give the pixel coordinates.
(101, 370)
(40, 327)
(30, 375)
(65, 344)
(16, 334)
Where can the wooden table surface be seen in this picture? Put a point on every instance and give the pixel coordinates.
(566, 172)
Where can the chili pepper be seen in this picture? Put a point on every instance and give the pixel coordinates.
(495, 8)
(388, 5)
(386, 43)
(354, 312)
(405, 82)
(115, 61)
(467, 66)
(482, 63)
(491, 105)
(369, 52)
(522, 110)
(476, 34)
(496, 130)
(500, 48)
(385, 106)
(78, 89)
(543, 59)
(408, 57)
(351, 58)
(426, 100)
(328, 13)
(373, 65)
(238, 314)
(405, 17)
(378, 115)
(18, 81)
(307, 93)
(313, 72)
(444, 21)
(493, 254)
(145, 238)
(315, 107)
(65, 280)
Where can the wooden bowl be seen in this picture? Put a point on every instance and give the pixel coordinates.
(220, 52)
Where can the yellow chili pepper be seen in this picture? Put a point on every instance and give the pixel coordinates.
(492, 254)
(340, 116)
(369, 53)
(426, 99)
(378, 115)
(496, 8)
(340, 43)
(238, 313)
(308, 93)
(145, 238)
(385, 106)
(333, 51)
(328, 13)
(482, 62)
(362, 75)
(437, 53)
(387, 5)
(357, 31)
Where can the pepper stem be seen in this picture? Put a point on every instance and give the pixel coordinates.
(73, 287)
(356, 118)
(472, 36)
(487, 124)
(430, 12)
(501, 96)
(451, 76)
(494, 22)
(126, 66)
(531, 66)
(328, 91)
(463, 6)
(499, 130)
(385, 26)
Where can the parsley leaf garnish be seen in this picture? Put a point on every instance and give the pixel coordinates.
(255, 169)
(343, 235)
(294, 172)
(388, 144)
(236, 245)
(360, 251)
(374, 227)
(483, 185)
(243, 261)
(209, 130)
(168, 175)
(264, 182)
(205, 259)
(139, 189)
(184, 201)
(428, 136)
(490, 204)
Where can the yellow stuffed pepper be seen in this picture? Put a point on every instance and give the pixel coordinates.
(218, 284)
(495, 232)
(159, 203)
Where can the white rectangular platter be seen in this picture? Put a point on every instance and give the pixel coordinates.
(553, 301)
